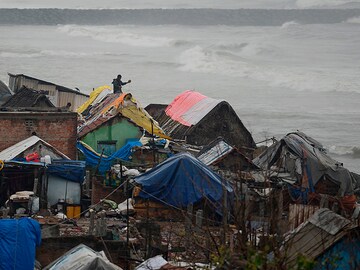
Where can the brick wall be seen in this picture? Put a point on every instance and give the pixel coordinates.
(56, 128)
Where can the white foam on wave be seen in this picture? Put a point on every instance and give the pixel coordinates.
(244, 49)
(350, 151)
(353, 20)
(131, 4)
(115, 35)
(19, 55)
(198, 59)
(289, 24)
(321, 3)
(45, 53)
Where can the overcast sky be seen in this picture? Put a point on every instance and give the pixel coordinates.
(135, 4)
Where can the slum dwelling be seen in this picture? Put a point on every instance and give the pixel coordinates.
(199, 120)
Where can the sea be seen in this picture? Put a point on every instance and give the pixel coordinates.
(283, 65)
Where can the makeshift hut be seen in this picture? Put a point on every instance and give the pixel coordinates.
(225, 157)
(180, 181)
(112, 121)
(31, 145)
(59, 95)
(35, 165)
(28, 98)
(304, 165)
(199, 120)
(327, 238)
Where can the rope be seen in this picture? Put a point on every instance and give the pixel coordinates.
(83, 212)
(172, 206)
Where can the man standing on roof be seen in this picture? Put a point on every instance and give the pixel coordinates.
(118, 84)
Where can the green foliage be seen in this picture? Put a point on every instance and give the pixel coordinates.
(222, 258)
(331, 262)
(257, 260)
(304, 263)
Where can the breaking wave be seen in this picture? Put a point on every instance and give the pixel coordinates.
(114, 35)
(44, 53)
(198, 59)
(200, 16)
(118, 36)
(322, 3)
(353, 20)
(349, 151)
(289, 24)
(213, 60)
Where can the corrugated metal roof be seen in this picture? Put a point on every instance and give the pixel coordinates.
(58, 87)
(329, 221)
(18, 148)
(313, 237)
(215, 152)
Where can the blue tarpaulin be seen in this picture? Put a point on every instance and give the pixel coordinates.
(92, 158)
(18, 240)
(73, 170)
(182, 180)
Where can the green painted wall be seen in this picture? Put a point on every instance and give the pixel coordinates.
(116, 129)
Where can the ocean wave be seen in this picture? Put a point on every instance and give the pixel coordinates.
(20, 54)
(322, 3)
(349, 151)
(233, 46)
(198, 59)
(353, 20)
(115, 35)
(289, 24)
(200, 16)
(211, 60)
(142, 4)
(44, 53)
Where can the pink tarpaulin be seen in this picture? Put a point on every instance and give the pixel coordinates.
(190, 107)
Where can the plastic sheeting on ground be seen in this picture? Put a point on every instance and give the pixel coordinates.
(18, 241)
(73, 170)
(182, 180)
(82, 257)
(94, 159)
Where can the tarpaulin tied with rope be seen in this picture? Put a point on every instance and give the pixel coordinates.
(103, 163)
(182, 180)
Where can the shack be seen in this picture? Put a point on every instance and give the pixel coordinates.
(301, 162)
(225, 157)
(113, 120)
(59, 95)
(326, 237)
(35, 166)
(198, 120)
(28, 98)
(178, 182)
